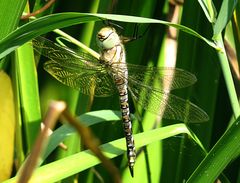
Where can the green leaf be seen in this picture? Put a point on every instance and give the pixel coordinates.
(209, 9)
(10, 13)
(26, 74)
(60, 20)
(224, 16)
(86, 119)
(85, 159)
(224, 151)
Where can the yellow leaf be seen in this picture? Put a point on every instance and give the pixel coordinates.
(7, 126)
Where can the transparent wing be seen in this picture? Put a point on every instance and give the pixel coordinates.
(83, 72)
(78, 70)
(165, 104)
(89, 82)
(64, 55)
(160, 78)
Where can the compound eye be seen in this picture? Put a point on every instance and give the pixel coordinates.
(107, 38)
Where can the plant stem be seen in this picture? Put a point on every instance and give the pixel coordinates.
(228, 77)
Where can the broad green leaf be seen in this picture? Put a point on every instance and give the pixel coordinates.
(224, 16)
(10, 13)
(28, 85)
(60, 20)
(85, 159)
(87, 119)
(224, 151)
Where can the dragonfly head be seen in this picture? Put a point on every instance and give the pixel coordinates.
(107, 38)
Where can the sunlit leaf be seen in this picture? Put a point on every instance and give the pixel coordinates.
(7, 126)
(60, 20)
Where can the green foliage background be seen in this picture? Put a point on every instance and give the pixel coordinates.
(174, 159)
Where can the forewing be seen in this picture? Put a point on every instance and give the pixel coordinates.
(90, 82)
(165, 104)
(160, 78)
(64, 55)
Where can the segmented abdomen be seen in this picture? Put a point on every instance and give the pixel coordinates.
(121, 84)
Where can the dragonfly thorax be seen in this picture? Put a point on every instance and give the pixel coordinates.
(111, 48)
(107, 38)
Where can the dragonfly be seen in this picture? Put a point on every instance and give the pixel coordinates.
(112, 74)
